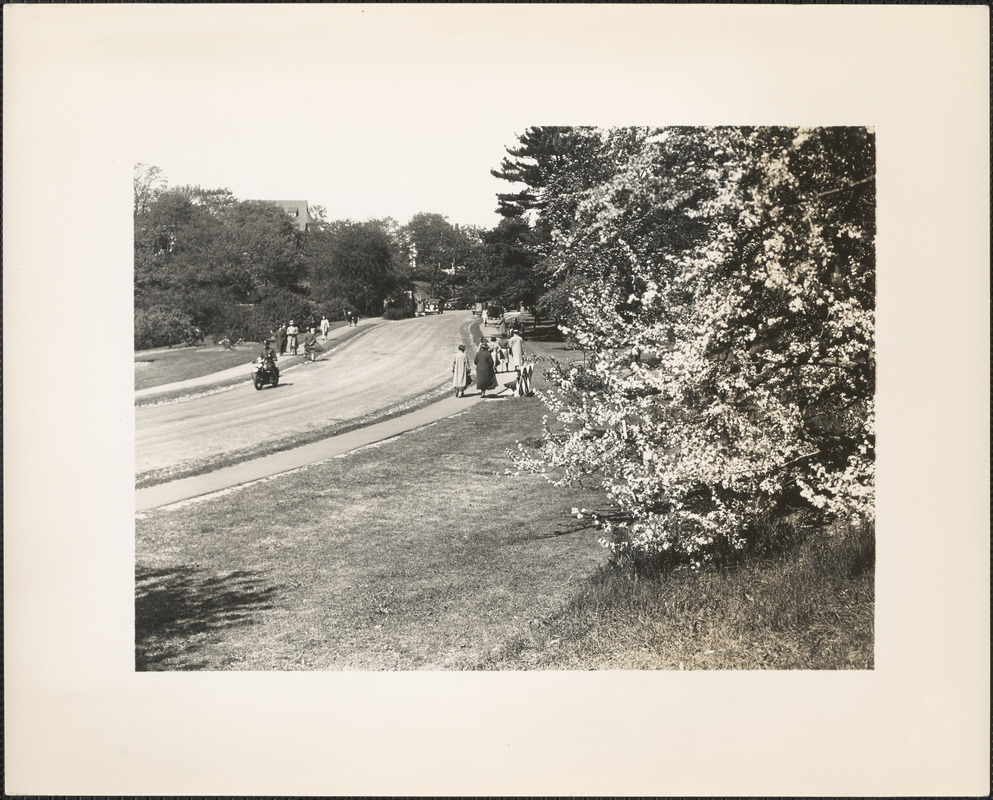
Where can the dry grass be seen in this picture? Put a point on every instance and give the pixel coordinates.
(810, 609)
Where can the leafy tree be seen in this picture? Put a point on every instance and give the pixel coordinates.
(262, 243)
(148, 185)
(207, 255)
(504, 272)
(353, 260)
(721, 282)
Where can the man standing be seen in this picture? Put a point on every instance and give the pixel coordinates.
(291, 337)
(325, 327)
(281, 339)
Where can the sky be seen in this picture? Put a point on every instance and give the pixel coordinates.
(360, 112)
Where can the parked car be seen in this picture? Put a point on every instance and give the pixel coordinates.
(432, 306)
(493, 315)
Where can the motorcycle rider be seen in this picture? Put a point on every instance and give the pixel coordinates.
(264, 369)
(268, 355)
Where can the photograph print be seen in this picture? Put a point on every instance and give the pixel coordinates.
(624, 422)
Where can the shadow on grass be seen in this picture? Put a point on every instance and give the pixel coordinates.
(544, 333)
(565, 529)
(177, 611)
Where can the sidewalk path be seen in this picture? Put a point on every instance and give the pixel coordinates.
(245, 371)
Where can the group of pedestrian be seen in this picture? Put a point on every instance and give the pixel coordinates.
(489, 357)
(286, 339)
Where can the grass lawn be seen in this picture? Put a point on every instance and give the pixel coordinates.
(420, 553)
(159, 367)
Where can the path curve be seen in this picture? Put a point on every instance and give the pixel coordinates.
(373, 372)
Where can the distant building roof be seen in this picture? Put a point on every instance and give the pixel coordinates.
(297, 209)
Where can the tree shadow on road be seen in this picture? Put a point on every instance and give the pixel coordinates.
(180, 610)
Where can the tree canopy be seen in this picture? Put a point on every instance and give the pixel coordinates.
(204, 258)
(353, 261)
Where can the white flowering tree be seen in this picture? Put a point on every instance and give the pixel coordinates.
(722, 283)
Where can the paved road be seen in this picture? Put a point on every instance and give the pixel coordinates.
(373, 372)
(257, 468)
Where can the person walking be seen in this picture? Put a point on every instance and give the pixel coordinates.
(460, 371)
(310, 344)
(516, 351)
(291, 337)
(503, 348)
(485, 375)
(281, 339)
(494, 349)
(325, 327)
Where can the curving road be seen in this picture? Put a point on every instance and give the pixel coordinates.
(375, 371)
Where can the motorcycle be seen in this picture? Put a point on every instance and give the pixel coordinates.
(264, 372)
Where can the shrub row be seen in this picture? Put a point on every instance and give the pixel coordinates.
(159, 326)
(166, 319)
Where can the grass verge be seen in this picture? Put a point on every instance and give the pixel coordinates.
(810, 609)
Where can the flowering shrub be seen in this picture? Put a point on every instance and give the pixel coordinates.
(722, 283)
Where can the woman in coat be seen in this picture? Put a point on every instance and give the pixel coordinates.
(310, 344)
(485, 376)
(516, 351)
(460, 371)
(494, 353)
